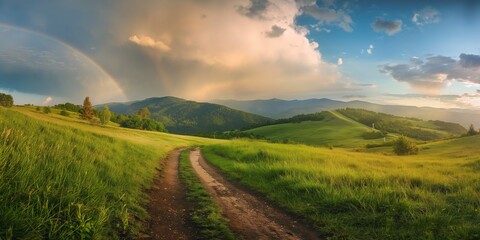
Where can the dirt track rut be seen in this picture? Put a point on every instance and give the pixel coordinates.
(168, 204)
(249, 217)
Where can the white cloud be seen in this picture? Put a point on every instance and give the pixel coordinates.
(47, 100)
(426, 16)
(147, 41)
(369, 49)
(340, 61)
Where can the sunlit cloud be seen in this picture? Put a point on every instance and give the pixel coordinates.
(339, 61)
(210, 58)
(149, 42)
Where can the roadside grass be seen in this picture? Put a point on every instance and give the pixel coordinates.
(353, 195)
(63, 178)
(203, 212)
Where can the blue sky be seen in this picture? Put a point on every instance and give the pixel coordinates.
(423, 53)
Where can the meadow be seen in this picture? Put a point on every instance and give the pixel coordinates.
(333, 130)
(346, 194)
(63, 178)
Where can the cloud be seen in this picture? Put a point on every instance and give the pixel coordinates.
(327, 15)
(208, 58)
(47, 100)
(469, 60)
(435, 72)
(340, 61)
(426, 16)
(147, 41)
(256, 9)
(275, 32)
(388, 26)
(369, 49)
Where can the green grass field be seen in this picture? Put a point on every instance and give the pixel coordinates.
(353, 195)
(335, 130)
(63, 178)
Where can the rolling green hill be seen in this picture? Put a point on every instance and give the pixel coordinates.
(333, 128)
(410, 127)
(356, 195)
(64, 178)
(330, 129)
(182, 116)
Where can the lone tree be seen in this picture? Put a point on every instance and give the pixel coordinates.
(144, 113)
(105, 115)
(6, 100)
(87, 112)
(471, 131)
(403, 146)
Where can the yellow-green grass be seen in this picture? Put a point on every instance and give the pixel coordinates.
(335, 130)
(203, 211)
(63, 178)
(353, 195)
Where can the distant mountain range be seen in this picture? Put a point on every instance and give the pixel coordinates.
(278, 108)
(189, 117)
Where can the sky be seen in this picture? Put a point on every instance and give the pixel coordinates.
(422, 53)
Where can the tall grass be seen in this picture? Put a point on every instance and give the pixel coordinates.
(60, 182)
(351, 195)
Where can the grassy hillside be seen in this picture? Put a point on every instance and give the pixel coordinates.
(182, 116)
(278, 108)
(351, 195)
(410, 127)
(62, 178)
(331, 129)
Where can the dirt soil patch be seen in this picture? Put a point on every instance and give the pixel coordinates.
(168, 205)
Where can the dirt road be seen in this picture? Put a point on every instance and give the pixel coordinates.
(168, 204)
(249, 217)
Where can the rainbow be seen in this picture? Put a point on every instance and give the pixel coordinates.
(74, 49)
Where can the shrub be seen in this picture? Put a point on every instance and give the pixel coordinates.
(403, 146)
(64, 113)
(47, 110)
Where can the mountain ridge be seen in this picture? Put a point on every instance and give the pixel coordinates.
(278, 108)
